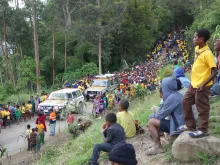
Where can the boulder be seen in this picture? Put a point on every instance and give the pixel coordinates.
(186, 148)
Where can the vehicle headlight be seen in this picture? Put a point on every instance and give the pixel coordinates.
(60, 107)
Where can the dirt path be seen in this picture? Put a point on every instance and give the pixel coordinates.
(14, 140)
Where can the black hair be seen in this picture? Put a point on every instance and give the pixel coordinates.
(160, 90)
(111, 117)
(33, 129)
(29, 126)
(29, 102)
(179, 84)
(124, 104)
(204, 33)
(175, 62)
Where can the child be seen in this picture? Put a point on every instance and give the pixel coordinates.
(204, 71)
(70, 119)
(7, 114)
(37, 141)
(23, 112)
(124, 118)
(33, 140)
(40, 128)
(18, 114)
(28, 136)
(115, 134)
(28, 109)
(123, 153)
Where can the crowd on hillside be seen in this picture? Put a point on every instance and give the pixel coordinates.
(183, 102)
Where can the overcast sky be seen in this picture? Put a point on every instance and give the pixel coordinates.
(21, 4)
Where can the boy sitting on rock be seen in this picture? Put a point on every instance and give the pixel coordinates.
(171, 107)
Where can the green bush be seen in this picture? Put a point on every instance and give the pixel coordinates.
(22, 98)
(3, 95)
(165, 72)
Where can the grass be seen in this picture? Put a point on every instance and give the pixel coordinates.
(78, 151)
(207, 159)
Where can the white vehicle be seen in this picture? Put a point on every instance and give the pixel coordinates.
(101, 84)
(64, 101)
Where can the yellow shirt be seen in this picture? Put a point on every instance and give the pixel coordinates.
(126, 121)
(3, 113)
(40, 128)
(28, 107)
(201, 70)
(7, 113)
(28, 133)
(23, 109)
(43, 98)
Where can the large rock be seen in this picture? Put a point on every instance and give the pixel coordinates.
(186, 148)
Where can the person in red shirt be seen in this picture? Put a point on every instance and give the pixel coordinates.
(70, 119)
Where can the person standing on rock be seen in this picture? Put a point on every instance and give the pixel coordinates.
(204, 71)
(171, 107)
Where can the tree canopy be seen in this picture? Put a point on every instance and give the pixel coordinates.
(75, 37)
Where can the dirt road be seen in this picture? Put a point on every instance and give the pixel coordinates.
(14, 138)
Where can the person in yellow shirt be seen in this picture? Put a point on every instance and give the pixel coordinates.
(28, 108)
(23, 112)
(204, 71)
(7, 115)
(125, 119)
(40, 129)
(4, 117)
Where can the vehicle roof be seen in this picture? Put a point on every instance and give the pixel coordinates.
(105, 76)
(66, 90)
(101, 79)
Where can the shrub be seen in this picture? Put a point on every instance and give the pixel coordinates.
(165, 72)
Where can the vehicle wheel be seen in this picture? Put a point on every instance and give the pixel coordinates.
(81, 108)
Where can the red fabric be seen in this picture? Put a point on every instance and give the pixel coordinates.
(42, 120)
(70, 119)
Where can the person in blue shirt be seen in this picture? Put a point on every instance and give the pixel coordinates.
(180, 74)
(172, 107)
(67, 84)
(75, 85)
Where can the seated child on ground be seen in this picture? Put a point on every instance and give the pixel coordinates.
(125, 119)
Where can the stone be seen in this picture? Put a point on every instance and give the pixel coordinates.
(186, 148)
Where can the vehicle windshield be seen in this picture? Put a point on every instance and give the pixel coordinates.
(58, 96)
(100, 83)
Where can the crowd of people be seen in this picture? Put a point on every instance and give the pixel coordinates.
(20, 112)
(183, 102)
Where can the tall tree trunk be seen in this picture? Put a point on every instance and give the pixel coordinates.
(5, 49)
(53, 51)
(100, 42)
(21, 52)
(1, 78)
(65, 58)
(36, 46)
(100, 53)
